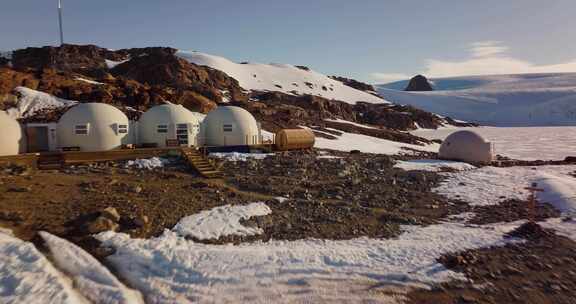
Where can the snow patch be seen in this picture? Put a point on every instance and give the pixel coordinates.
(112, 64)
(282, 78)
(563, 227)
(148, 163)
(367, 144)
(237, 156)
(221, 221)
(92, 279)
(89, 81)
(432, 165)
(31, 101)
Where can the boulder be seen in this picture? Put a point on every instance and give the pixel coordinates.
(102, 224)
(111, 213)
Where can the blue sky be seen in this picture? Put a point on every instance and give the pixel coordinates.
(371, 40)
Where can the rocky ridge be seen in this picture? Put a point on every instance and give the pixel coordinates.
(140, 78)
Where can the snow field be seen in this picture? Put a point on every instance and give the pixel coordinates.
(524, 99)
(282, 78)
(170, 268)
(525, 143)
(490, 185)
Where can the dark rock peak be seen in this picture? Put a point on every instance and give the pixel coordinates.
(419, 83)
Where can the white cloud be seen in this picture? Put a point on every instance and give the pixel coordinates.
(485, 58)
(388, 77)
(487, 48)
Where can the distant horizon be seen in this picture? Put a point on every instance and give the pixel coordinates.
(376, 42)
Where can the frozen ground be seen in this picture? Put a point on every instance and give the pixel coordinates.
(526, 143)
(281, 77)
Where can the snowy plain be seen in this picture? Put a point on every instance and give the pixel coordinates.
(503, 100)
(525, 143)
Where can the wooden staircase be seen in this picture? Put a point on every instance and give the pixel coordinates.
(53, 161)
(201, 163)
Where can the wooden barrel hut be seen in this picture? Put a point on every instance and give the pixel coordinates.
(294, 139)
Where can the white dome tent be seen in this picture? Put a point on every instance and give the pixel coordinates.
(12, 137)
(466, 146)
(93, 127)
(230, 126)
(169, 122)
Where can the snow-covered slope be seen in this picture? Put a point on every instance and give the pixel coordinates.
(526, 99)
(27, 276)
(282, 78)
(91, 278)
(31, 101)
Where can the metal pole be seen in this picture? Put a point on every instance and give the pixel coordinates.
(60, 22)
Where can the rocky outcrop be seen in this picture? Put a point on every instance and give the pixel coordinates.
(143, 77)
(419, 83)
(355, 84)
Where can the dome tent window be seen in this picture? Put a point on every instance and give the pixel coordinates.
(162, 129)
(182, 134)
(122, 129)
(81, 129)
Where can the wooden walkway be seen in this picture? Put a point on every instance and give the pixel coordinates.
(57, 160)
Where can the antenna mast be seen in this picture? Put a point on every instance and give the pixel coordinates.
(60, 22)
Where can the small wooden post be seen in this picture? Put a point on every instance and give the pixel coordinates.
(532, 201)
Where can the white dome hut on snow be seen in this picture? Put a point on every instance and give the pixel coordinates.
(466, 146)
(92, 127)
(12, 136)
(163, 123)
(230, 126)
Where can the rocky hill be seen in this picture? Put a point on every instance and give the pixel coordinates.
(139, 78)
